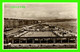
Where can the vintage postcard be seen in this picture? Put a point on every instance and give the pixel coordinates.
(40, 26)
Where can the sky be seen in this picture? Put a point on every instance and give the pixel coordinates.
(41, 11)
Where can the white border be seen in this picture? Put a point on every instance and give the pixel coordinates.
(35, 3)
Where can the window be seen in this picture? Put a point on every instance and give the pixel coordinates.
(29, 40)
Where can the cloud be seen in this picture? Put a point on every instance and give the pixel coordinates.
(41, 11)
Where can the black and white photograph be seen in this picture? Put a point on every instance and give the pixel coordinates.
(40, 25)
